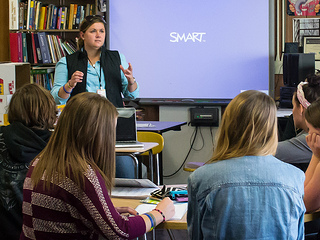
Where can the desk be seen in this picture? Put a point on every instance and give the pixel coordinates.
(160, 127)
(182, 223)
(132, 152)
(133, 203)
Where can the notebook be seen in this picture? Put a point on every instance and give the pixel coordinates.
(126, 132)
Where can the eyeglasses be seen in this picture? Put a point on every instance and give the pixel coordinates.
(90, 18)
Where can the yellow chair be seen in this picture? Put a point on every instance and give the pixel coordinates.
(192, 166)
(157, 138)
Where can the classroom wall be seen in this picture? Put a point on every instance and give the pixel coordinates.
(177, 143)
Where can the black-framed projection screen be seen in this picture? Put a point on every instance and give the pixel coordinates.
(193, 49)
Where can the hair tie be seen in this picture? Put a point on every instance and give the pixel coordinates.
(300, 95)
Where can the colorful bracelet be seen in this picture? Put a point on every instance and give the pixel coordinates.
(152, 220)
(70, 86)
(164, 218)
(66, 90)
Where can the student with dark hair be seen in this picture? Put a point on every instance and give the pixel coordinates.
(244, 192)
(66, 191)
(296, 150)
(31, 114)
(311, 184)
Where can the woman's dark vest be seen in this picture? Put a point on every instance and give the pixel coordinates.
(110, 62)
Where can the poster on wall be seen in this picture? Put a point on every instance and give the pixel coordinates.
(303, 7)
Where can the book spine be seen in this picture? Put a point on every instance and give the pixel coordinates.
(54, 17)
(14, 47)
(29, 48)
(34, 51)
(21, 15)
(24, 47)
(38, 50)
(13, 14)
(41, 20)
(51, 48)
(20, 54)
(43, 42)
(28, 14)
(78, 15)
(71, 11)
(63, 14)
(75, 10)
(37, 14)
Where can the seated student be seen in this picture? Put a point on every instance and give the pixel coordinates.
(32, 114)
(295, 150)
(66, 191)
(244, 192)
(311, 184)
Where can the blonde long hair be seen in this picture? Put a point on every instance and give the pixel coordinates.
(85, 135)
(248, 127)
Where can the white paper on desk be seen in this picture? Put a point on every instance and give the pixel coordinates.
(145, 125)
(181, 209)
(131, 192)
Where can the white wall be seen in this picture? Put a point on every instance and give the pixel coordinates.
(177, 143)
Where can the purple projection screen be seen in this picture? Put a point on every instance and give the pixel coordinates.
(193, 49)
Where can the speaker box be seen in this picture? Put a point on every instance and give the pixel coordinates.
(296, 67)
(291, 47)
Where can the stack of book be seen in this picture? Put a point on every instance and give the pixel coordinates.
(43, 76)
(39, 48)
(34, 15)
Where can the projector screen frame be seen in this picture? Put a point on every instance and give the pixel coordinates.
(212, 101)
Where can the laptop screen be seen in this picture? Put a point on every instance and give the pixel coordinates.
(126, 125)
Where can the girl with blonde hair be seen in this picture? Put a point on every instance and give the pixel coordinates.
(244, 192)
(66, 191)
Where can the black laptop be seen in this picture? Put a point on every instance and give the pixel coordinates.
(126, 133)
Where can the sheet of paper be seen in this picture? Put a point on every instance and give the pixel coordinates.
(137, 183)
(181, 209)
(129, 192)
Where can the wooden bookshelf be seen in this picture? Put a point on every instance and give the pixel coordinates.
(4, 32)
(55, 38)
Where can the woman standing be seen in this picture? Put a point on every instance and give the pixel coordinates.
(93, 68)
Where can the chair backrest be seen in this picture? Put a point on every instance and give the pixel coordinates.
(151, 137)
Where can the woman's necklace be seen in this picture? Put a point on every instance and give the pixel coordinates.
(94, 67)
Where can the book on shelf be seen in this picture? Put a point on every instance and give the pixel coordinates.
(34, 51)
(75, 10)
(43, 76)
(29, 48)
(21, 15)
(64, 17)
(54, 16)
(37, 14)
(24, 47)
(37, 45)
(15, 41)
(78, 16)
(41, 18)
(71, 12)
(13, 14)
(43, 42)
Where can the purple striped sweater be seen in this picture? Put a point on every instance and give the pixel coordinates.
(68, 212)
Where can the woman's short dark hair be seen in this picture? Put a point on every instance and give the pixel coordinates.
(312, 89)
(33, 106)
(86, 23)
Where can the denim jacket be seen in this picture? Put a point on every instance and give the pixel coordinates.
(251, 197)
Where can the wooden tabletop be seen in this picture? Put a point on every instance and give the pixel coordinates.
(133, 203)
(147, 146)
